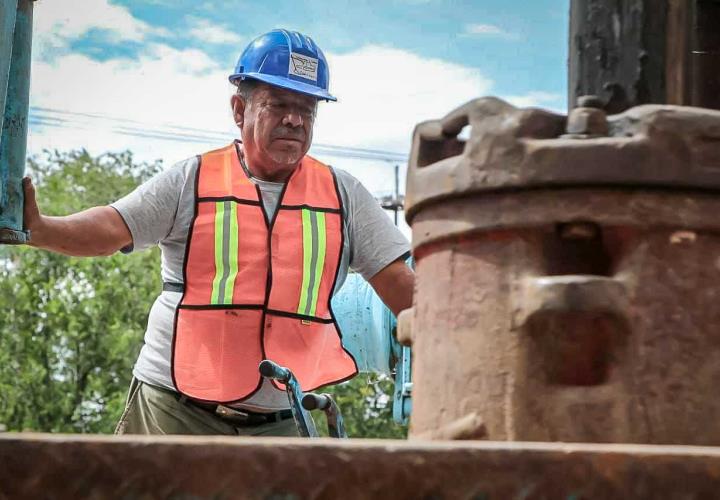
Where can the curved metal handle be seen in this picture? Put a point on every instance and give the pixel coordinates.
(325, 402)
(572, 293)
(269, 369)
(315, 402)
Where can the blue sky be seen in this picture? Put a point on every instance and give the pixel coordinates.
(521, 46)
(150, 75)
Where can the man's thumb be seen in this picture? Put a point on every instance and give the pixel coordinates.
(31, 211)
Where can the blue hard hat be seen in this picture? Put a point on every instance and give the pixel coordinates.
(286, 59)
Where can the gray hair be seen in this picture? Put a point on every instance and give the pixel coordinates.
(245, 89)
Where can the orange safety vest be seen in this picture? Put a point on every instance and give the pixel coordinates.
(259, 288)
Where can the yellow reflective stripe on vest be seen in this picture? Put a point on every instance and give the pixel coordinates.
(314, 248)
(226, 252)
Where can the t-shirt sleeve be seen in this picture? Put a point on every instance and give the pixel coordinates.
(375, 242)
(149, 211)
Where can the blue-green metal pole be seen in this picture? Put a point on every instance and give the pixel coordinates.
(13, 140)
(8, 13)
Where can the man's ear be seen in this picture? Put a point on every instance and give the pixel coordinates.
(238, 108)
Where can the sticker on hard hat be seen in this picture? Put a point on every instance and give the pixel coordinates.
(303, 66)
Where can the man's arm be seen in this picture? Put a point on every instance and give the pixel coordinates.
(395, 284)
(93, 232)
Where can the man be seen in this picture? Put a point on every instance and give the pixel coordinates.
(255, 237)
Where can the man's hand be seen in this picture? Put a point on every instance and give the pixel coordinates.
(395, 284)
(93, 232)
(31, 212)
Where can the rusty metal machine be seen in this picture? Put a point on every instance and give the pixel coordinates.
(568, 271)
(568, 267)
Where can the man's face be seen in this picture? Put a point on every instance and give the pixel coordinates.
(277, 127)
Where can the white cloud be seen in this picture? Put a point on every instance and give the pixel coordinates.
(554, 102)
(179, 99)
(489, 30)
(210, 32)
(56, 22)
(163, 87)
(384, 92)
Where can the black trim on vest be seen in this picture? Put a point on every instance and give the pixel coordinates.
(310, 207)
(209, 307)
(285, 314)
(239, 201)
(333, 321)
(343, 217)
(268, 286)
(268, 280)
(185, 263)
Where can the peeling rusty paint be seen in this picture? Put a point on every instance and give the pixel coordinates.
(566, 285)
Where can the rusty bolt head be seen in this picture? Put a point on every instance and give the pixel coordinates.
(590, 122)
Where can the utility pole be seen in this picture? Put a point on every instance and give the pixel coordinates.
(632, 52)
(397, 191)
(395, 201)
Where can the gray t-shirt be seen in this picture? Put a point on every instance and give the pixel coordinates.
(160, 211)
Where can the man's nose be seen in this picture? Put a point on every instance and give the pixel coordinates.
(292, 119)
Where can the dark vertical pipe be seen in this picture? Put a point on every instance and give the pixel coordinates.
(618, 52)
(396, 194)
(13, 141)
(705, 57)
(677, 69)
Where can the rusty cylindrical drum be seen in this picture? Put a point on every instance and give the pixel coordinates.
(568, 275)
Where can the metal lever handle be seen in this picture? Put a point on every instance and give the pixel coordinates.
(270, 369)
(315, 402)
(303, 419)
(325, 402)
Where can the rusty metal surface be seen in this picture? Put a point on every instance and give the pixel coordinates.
(59, 467)
(566, 287)
(513, 148)
(545, 207)
(618, 343)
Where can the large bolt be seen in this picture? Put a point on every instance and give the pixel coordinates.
(588, 119)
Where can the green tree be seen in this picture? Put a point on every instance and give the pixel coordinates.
(71, 328)
(366, 406)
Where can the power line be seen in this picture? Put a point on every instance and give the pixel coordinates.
(49, 117)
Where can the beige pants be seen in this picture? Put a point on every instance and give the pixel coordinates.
(150, 410)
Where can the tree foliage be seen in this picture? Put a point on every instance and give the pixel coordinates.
(366, 406)
(71, 328)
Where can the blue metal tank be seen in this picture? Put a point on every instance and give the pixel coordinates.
(368, 329)
(366, 324)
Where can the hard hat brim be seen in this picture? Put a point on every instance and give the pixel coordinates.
(285, 83)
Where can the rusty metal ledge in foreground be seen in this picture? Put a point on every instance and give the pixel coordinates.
(56, 466)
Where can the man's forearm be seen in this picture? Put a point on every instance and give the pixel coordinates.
(94, 232)
(395, 285)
